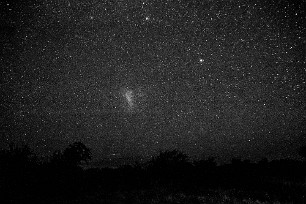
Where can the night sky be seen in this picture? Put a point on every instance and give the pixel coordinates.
(130, 78)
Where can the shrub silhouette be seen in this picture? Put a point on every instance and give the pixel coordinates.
(169, 167)
(169, 159)
(65, 175)
(17, 158)
(24, 178)
(205, 172)
(74, 155)
(210, 163)
(77, 154)
(302, 152)
(17, 171)
(57, 158)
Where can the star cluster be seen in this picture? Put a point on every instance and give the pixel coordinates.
(218, 78)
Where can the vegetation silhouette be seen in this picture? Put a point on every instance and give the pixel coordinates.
(169, 177)
(302, 152)
(74, 155)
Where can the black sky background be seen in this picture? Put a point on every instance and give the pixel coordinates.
(211, 78)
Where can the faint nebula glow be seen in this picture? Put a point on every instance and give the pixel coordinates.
(129, 97)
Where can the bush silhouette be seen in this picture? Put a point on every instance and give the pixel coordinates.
(302, 152)
(169, 167)
(74, 155)
(65, 175)
(24, 178)
(18, 166)
(169, 159)
(17, 157)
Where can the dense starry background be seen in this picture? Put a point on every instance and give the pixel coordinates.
(132, 77)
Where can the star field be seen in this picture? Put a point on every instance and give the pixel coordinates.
(214, 78)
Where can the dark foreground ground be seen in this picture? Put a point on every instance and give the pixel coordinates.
(168, 178)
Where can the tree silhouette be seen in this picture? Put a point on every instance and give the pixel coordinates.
(76, 154)
(17, 156)
(170, 158)
(57, 158)
(210, 163)
(302, 152)
(169, 167)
